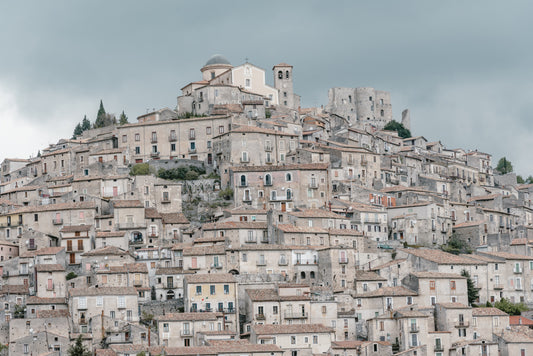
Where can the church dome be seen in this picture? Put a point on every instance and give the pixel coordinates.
(217, 59)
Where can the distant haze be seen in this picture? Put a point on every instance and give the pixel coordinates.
(462, 68)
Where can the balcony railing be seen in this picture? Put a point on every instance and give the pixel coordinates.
(517, 270)
(283, 263)
(192, 150)
(439, 348)
(131, 225)
(268, 148)
(414, 329)
(313, 185)
(260, 263)
(294, 315)
(137, 283)
(498, 286)
(57, 221)
(462, 324)
(155, 154)
(165, 200)
(260, 316)
(186, 332)
(251, 240)
(172, 138)
(343, 260)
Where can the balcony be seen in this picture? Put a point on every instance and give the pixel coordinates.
(154, 154)
(247, 198)
(293, 315)
(282, 263)
(172, 138)
(260, 263)
(153, 234)
(364, 162)
(268, 148)
(136, 242)
(462, 324)
(517, 270)
(217, 265)
(498, 286)
(260, 317)
(165, 200)
(131, 225)
(313, 185)
(186, 332)
(154, 139)
(137, 283)
(57, 221)
(343, 260)
(245, 159)
(439, 348)
(264, 239)
(192, 150)
(414, 329)
(269, 161)
(251, 240)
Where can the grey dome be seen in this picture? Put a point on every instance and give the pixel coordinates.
(217, 59)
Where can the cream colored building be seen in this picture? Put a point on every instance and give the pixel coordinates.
(181, 329)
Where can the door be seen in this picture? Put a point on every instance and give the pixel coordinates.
(283, 207)
(72, 258)
(69, 245)
(115, 191)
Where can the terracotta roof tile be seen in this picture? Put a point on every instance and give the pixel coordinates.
(188, 316)
(127, 204)
(289, 167)
(49, 268)
(76, 228)
(439, 257)
(76, 292)
(488, 312)
(389, 292)
(290, 329)
(211, 278)
(174, 218)
(106, 251)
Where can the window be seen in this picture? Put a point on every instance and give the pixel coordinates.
(247, 84)
(99, 300)
(293, 340)
(192, 134)
(82, 303)
(431, 285)
(198, 290)
(275, 309)
(26, 348)
(212, 290)
(288, 178)
(452, 285)
(221, 129)
(121, 302)
(137, 137)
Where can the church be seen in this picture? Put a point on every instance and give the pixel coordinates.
(224, 84)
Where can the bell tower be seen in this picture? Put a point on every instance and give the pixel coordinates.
(283, 83)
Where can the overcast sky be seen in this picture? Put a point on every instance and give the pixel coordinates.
(463, 68)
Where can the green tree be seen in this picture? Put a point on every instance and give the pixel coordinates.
(519, 179)
(140, 169)
(456, 246)
(398, 127)
(529, 180)
(510, 308)
(100, 117)
(71, 275)
(123, 119)
(191, 175)
(19, 311)
(39, 153)
(226, 194)
(78, 349)
(77, 131)
(504, 166)
(473, 293)
(85, 123)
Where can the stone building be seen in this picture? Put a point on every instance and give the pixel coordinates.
(362, 107)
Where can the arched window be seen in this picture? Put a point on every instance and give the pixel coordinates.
(268, 179)
(312, 274)
(287, 74)
(302, 275)
(280, 75)
(289, 194)
(288, 177)
(243, 180)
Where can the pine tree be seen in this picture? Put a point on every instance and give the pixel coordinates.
(504, 166)
(85, 124)
(399, 128)
(77, 130)
(123, 119)
(473, 293)
(39, 153)
(78, 349)
(100, 117)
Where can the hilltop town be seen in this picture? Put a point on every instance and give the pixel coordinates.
(240, 223)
